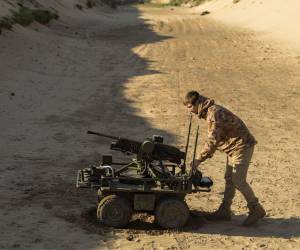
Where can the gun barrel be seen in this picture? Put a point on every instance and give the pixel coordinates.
(103, 135)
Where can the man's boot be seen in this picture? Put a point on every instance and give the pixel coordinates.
(222, 213)
(256, 212)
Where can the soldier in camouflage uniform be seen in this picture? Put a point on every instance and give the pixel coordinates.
(227, 133)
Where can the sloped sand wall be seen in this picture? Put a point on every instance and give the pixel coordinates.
(273, 19)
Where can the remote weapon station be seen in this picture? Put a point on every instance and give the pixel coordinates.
(155, 180)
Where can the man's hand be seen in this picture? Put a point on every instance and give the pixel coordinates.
(195, 164)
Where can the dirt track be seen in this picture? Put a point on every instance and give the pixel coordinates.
(127, 78)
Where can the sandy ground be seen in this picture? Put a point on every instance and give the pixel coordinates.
(124, 72)
(272, 20)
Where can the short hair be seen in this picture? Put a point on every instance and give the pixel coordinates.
(191, 97)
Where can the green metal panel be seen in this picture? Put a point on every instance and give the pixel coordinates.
(144, 202)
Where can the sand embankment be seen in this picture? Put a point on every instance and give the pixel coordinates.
(272, 19)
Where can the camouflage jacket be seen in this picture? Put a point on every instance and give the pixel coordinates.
(226, 132)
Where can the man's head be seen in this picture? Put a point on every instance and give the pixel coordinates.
(191, 101)
(197, 104)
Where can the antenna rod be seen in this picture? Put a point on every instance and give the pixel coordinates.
(183, 167)
(195, 148)
(188, 139)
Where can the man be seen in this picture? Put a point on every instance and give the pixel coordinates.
(227, 133)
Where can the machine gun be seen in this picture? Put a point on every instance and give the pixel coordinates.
(149, 150)
(152, 156)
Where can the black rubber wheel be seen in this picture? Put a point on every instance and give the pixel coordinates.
(171, 213)
(114, 211)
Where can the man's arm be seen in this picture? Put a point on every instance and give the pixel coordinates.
(214, 132)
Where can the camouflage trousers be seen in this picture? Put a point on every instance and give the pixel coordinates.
(236, 175)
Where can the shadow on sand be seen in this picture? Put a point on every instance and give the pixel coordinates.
(144, 223)
(107, 108)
